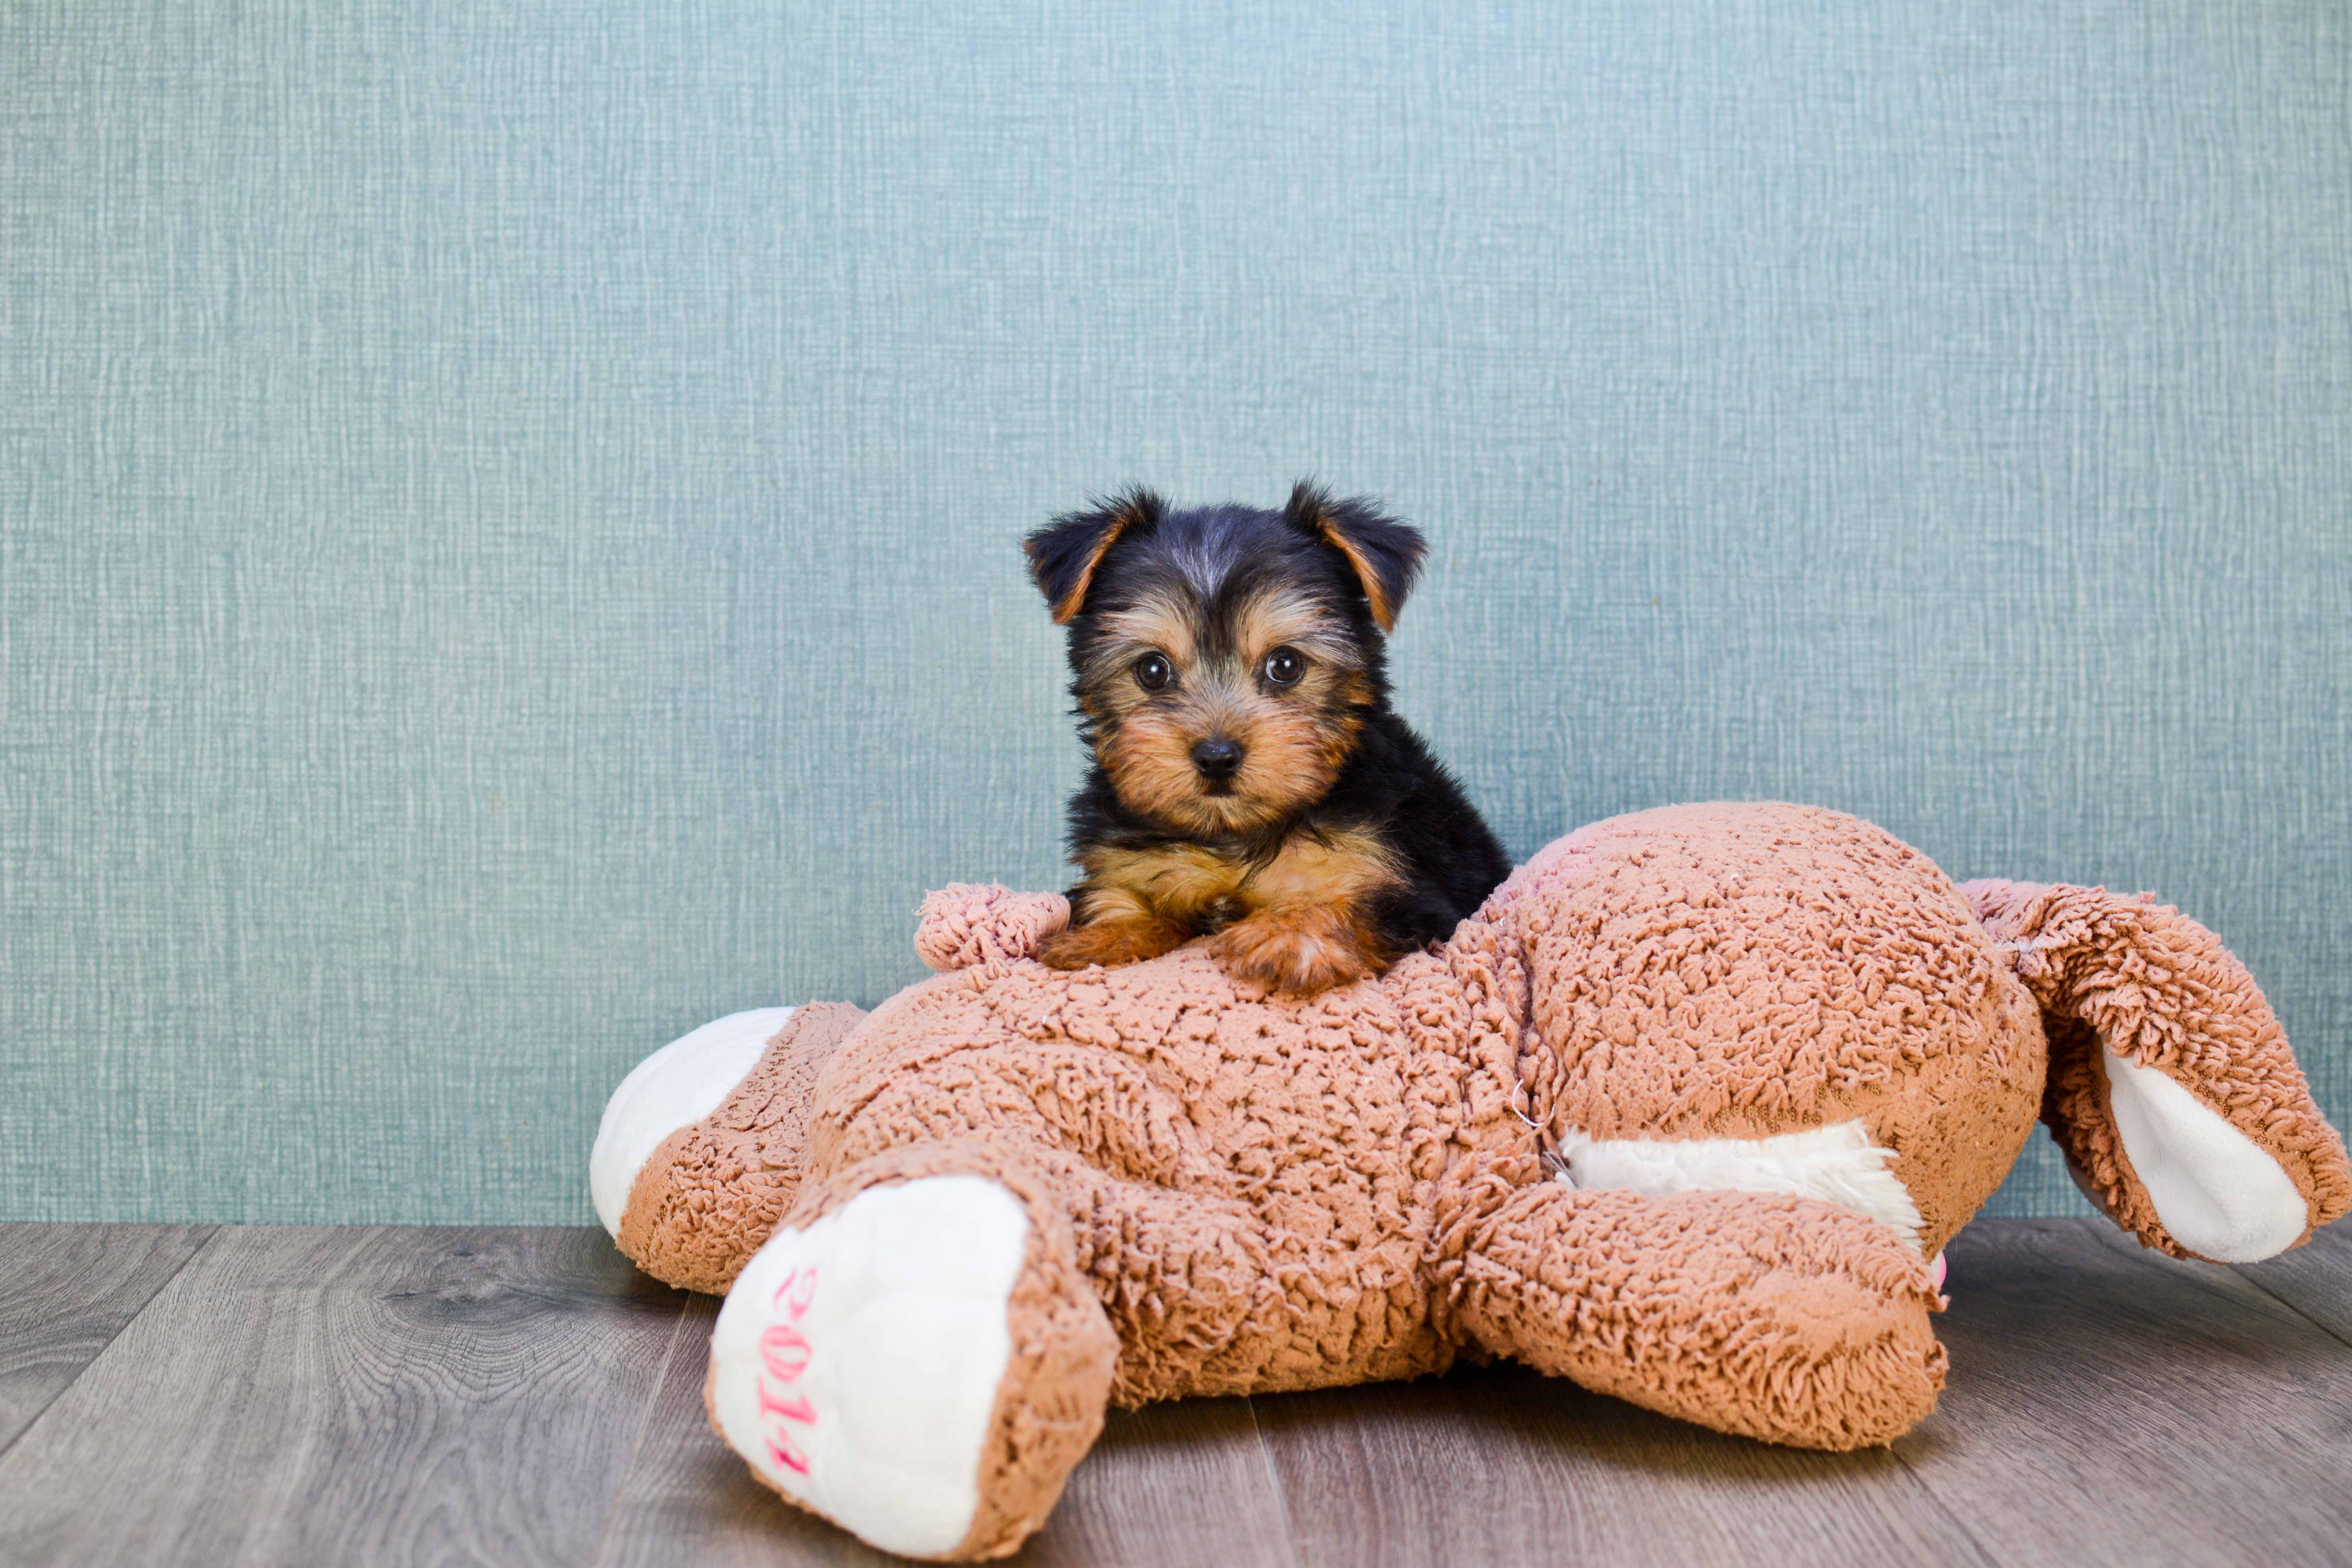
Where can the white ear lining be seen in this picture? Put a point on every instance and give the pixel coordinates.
(2213, 1187)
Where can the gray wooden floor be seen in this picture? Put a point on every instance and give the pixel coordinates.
(180, 1395)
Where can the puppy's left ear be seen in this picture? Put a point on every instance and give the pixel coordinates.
(1386, 553)
(1064, 553)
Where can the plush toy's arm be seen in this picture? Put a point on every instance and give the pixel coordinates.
(966, 924)
(2171, 1087)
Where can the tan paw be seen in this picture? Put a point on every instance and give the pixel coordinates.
(1109, 942)
(1299, 950)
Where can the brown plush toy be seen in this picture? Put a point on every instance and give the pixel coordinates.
(1684, 1113)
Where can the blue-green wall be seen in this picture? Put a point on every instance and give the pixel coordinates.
(508, 514)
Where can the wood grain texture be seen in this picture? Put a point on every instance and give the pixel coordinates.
(2316, 1280)
(1177, 1485)
(1172, 1485)
(686, 1498)
(354, 1397)
(511, 1396)
(2111, 1405)
(67, 1290)
(1501, 1466)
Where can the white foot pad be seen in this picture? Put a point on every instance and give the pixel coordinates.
(856, 1363)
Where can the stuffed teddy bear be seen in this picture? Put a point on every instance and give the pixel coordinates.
(1685, 1113)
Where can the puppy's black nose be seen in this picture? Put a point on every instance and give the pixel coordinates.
(1217, 758)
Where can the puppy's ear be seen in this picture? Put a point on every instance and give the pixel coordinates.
(1385, 554)
(1064, 553)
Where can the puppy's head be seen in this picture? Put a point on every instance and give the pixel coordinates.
(1225, 658)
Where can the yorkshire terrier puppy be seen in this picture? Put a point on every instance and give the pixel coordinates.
(1249, 781)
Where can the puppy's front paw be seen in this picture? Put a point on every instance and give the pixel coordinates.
(1109, 942)
(1299, 950)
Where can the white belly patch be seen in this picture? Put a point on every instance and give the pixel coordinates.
(1837, 1164)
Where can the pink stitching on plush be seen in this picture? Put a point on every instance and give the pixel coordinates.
(802, 1282)
(785, 1352)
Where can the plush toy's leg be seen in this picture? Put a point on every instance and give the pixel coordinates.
(699, 1152)
(2171, 1087)
(1200, 1294)
(1780, 1318)
(915, 1354)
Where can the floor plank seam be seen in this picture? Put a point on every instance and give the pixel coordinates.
(637, 1440)
(2216, 1279)
(2335, 1334)
(211, 1233)
(1952, 1519)
(1290, 1544)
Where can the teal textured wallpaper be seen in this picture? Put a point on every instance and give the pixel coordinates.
(508, 514)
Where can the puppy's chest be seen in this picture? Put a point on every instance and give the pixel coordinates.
(1203, 887)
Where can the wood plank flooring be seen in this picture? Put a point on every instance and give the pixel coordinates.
(65, 1292)
(179, 1394)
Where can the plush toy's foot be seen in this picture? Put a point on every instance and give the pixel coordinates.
(914, 1366)
(1780, 1318)
(673, 1089)
(699, 1152)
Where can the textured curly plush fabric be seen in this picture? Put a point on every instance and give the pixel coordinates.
(964, 925)
(713, 1192)
(1771, 1316)
(1232, 1192)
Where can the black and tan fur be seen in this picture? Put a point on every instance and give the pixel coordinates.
(1333, 842)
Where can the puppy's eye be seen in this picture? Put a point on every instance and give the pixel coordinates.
(1284, 666)
(1153, 672)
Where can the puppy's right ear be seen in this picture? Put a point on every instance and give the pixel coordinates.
(1064, 553)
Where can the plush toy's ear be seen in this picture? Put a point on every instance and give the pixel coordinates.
(1385, 554)
(2171, 1087)
(1064, 553)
